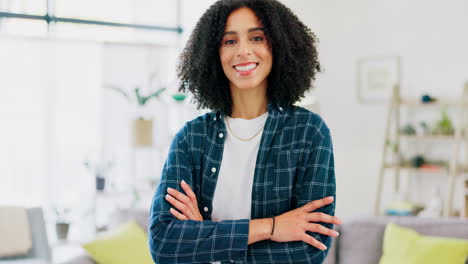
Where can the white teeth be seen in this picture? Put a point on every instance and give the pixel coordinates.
(246, 67)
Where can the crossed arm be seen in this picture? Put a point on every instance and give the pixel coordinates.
(290, 226)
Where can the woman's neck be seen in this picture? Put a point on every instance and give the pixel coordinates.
(248, 103)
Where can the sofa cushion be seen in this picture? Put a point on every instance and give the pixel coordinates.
(15, 236)
(127, 244)
(360, 240)
(403, 245)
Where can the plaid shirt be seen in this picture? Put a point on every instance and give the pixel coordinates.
(294, 166)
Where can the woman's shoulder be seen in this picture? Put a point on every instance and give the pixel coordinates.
(198, 124)
(201, 120)
(307, 120)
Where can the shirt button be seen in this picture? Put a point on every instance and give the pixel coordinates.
(215, 119)
(213, 169)
(221, 135)
(280, 108)
(205, 209)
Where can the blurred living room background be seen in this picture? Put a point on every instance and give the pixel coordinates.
(89, 105)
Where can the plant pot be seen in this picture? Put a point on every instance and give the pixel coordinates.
(142, 132)
(62, 230)
(100, 183)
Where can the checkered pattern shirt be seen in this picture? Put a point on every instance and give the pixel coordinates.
(294, 166)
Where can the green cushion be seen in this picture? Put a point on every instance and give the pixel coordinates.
(128, 244)
(406, 246)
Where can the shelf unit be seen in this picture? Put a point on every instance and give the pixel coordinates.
(454, 166)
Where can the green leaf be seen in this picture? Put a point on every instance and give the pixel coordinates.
(153, 95)
(140, 99)
(118, 90)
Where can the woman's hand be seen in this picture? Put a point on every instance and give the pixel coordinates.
(292, 225)
(186, 204)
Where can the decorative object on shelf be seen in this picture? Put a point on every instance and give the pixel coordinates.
(99, 170)
(426, 98)
(408, 130)
(376, 78)
(417, 161)
(403, 209)
(444, 126)
(435, 206)
(62, 222)
(425, 128)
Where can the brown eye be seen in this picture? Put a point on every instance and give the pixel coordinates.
(229, 42)
(257, 38)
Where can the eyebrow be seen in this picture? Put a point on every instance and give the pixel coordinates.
(250, 30)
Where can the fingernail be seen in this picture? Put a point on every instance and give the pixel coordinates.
(330, 198)
(324, 247)
(183, 182)
(169, 189)
(336, 233)
(167, 196)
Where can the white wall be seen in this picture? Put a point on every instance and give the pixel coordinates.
(431, 38)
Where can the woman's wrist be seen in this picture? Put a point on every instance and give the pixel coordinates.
(260, 229)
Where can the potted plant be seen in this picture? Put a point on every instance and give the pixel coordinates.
(444, 126)
(99, 170)
(142, 129)
(62, 222)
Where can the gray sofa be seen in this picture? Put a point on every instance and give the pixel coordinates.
(40, 251)
(360, 240)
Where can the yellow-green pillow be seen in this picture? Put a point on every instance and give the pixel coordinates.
(406, 246)
(128, 244)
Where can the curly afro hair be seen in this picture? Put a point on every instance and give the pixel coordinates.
(294, 52)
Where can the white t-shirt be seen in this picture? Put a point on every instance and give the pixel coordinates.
(233, 193)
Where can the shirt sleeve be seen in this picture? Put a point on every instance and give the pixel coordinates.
(317, 181)
(188, 241)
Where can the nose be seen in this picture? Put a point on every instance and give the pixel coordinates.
(244, 49)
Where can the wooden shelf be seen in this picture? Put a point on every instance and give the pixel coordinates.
(428, 137)
(442, 170)
(451, 170)
(441, 101)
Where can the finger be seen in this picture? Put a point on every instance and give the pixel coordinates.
(321, 229)
(314, 205)
(179, 196)
(177, 214)
(313, 242)
(189, 191)
(322, 217)
(180, 206)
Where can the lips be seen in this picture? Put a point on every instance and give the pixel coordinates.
(245, 68)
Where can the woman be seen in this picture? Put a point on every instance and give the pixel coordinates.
(252, 181)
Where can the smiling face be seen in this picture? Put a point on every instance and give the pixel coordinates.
(244, 52)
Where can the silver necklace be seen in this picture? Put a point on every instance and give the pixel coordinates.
(243, 139)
